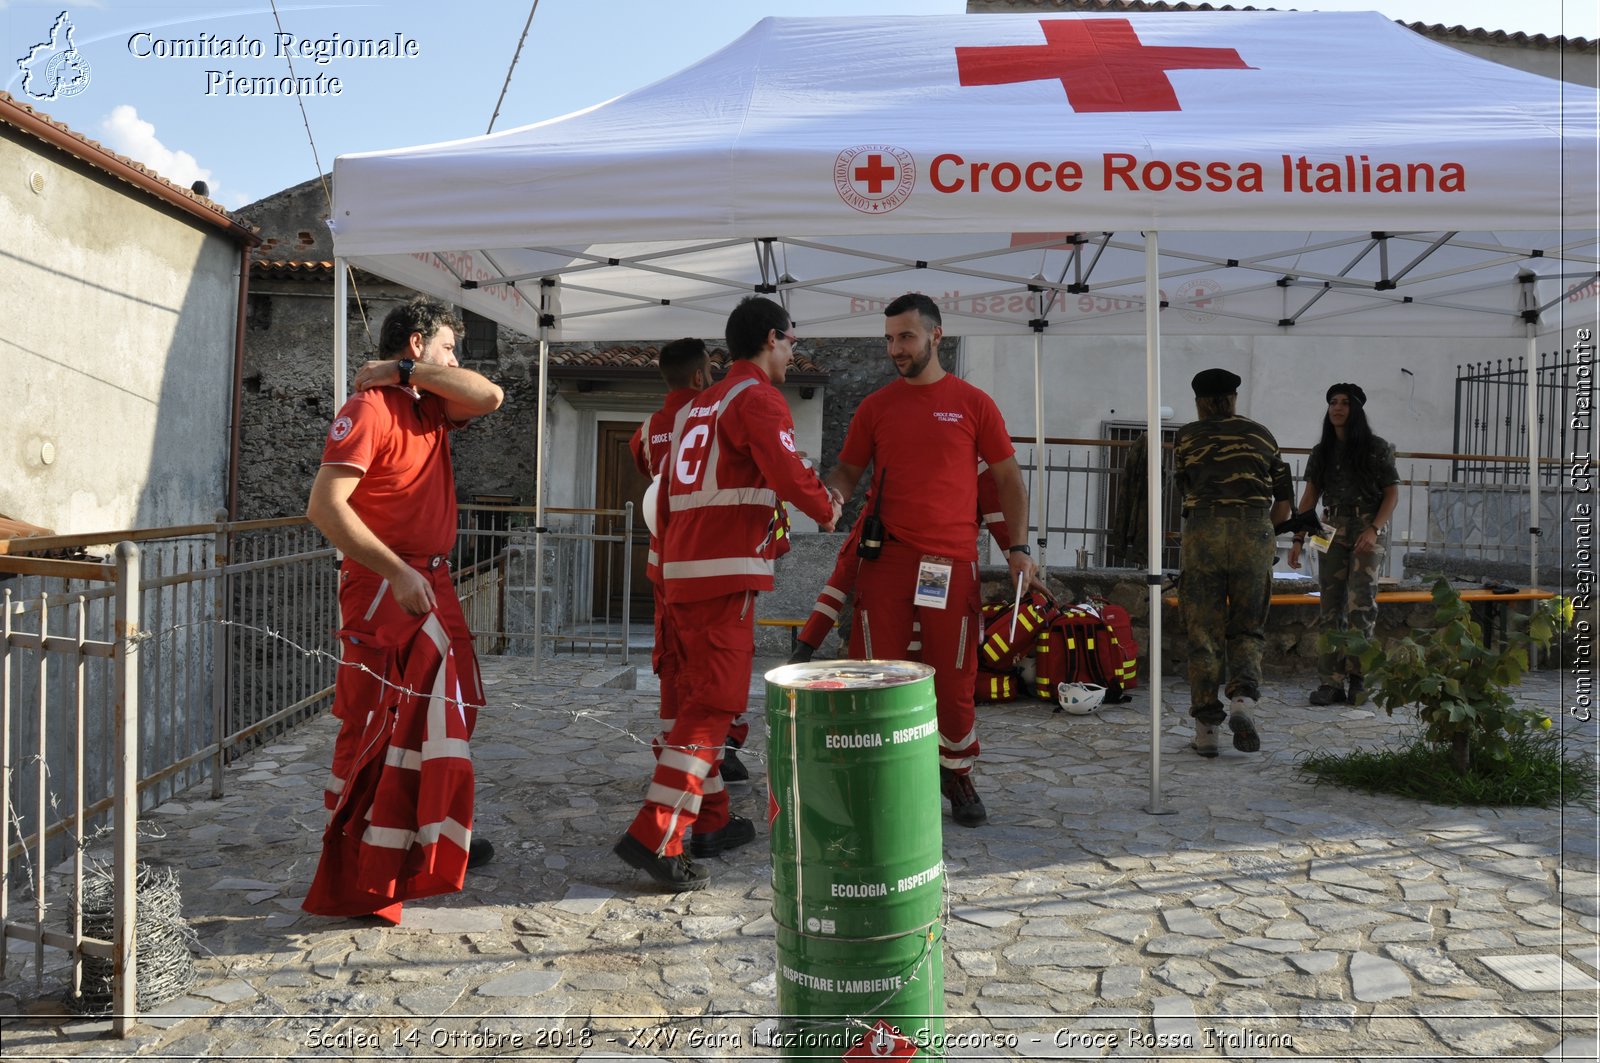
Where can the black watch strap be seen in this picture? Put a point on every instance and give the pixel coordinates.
(1020, 548)
(406, 366)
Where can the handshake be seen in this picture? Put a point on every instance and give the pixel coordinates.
(1299, 522)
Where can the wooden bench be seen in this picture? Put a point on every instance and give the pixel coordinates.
(794, 627)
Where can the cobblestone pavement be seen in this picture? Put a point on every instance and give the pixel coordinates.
(1263, 916)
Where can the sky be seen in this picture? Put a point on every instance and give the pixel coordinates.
(189, 117)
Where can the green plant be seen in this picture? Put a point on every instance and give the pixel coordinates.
(1456, 681)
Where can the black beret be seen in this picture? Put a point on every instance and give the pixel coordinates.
(1354, 391)
(1214, 383)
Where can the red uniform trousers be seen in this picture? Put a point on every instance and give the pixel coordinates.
(380, 667)
(666, 662)
(715, 639)
(885, 615)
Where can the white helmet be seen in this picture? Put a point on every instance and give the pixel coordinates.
(649, 503)
(1080, 699)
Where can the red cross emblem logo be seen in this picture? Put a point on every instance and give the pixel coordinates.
(1099, 61)
(882, 1042)
(874, 178)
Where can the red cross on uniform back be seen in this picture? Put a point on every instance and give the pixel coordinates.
(1099, 61)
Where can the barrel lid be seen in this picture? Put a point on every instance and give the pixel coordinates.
(848, 675)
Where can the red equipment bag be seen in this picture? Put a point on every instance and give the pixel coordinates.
(1084, 645)
(996, 686)
(999, 651)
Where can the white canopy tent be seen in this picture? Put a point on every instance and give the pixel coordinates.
(1307, 173)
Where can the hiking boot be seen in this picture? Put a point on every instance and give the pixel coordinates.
(1327, 694)
(802, 654)
(1205, 739)
(739, 831)
(1357, 693)
(479, 852)
(733, 769)
(678, 873)
(966, 807)
(1246, 739)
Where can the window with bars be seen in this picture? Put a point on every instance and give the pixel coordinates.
(1122, 509)
(480, 346)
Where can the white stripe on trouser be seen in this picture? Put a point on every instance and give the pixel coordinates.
(376, 598)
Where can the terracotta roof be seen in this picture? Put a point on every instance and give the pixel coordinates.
(636, 362)
(1436, 30)
(281, 267)
(38, 124)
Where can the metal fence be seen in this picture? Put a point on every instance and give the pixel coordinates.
(1083, 484)
(123, 684)
(1491, 417)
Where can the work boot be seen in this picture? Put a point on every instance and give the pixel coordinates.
(966, 807)
(677, 873)
(1327, 694)
(1245, 737)
(479, 852)
(733, 769)
(1357, 694)
(802, 653)
(1205, 739)
(739, 831)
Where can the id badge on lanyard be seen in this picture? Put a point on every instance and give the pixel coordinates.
(933, 582)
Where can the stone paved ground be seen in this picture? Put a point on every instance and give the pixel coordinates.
(1265, 916)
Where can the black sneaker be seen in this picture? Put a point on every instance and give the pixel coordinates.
(1357, 692)
(733, 769)
(479, 852)
(1327, 694)
(966, 807)
(677, 873)
(739, 831)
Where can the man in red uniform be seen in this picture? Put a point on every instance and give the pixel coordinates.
(407, 692)
(733, 460)
(924, 434)
(685, 365)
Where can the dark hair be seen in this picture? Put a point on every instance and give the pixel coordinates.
(749, 324)
(1216, 405)
(421, 314)
(679, 360)
(1359, 450)
(921, 304)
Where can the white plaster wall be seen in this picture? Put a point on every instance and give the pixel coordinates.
(117, 322)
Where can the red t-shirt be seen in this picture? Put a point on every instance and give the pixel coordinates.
(923, 443)
(401, 444)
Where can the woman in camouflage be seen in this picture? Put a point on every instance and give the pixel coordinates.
(1352, 472)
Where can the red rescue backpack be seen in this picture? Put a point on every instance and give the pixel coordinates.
(1087, 643)
(1000, 651)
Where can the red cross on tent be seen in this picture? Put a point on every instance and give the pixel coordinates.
(1099, 61)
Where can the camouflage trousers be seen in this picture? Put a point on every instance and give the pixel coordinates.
(1349, 592)
(1226, 587)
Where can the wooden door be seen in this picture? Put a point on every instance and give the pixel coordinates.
(617, 482)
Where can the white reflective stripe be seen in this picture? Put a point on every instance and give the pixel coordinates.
(956, 763)
(866, 637)
(388, 837)
(971, 737)
(713, 785)
(831, 592)
(408, 759)
(993, 518)
(446, 747)
(652, 558)
(376, 598)
(709, 481)
(961, 644)
(456, 831)
(673, 798)
(983, 466)
(914, 647)
(765, 497)
(335, 785)
(684, 761)
(717, 566)
(826, 610)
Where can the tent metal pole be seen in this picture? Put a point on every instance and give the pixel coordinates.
(1039, 498)
(1534, 528)
(1152, 450)
(538, 476)
(341, 331)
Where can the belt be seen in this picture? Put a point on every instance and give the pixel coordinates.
(425, 560)
(1221, 509)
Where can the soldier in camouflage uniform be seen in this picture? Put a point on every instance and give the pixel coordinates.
(1235, 487)
(1352, 472)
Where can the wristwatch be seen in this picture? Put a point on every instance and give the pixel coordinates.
(1019, 548)
(406, 366)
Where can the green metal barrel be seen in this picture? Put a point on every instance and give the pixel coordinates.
(857, 851)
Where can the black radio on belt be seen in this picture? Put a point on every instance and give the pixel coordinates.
(870, 545)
